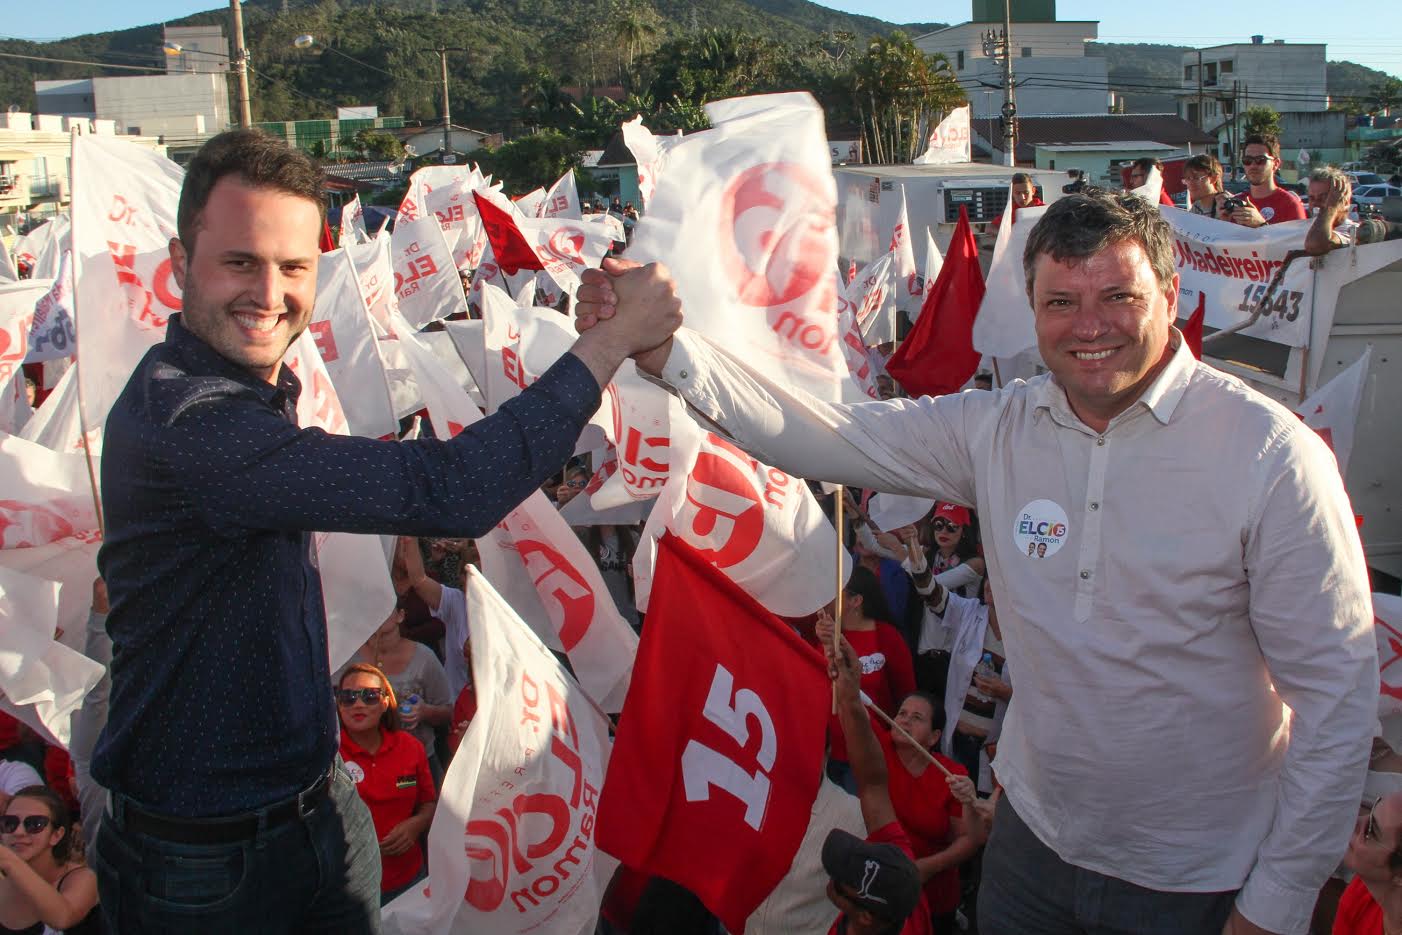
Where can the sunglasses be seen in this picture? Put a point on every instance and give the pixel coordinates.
(944, 525)
(349, 696)
(33, 824)
(575, 483)
(1255, 160)
(1371, 831)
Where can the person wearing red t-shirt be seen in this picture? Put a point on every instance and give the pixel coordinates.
(465, 708)
(1372, 904)
(928, 803)
(888, 672)
(390, 770)
(1023, 193)
(875, 883)
(1267, 203)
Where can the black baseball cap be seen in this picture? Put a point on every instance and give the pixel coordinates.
(881, 878)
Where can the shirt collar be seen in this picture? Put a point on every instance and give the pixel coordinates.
(1161, 398)
(388, 739)
(206, 361)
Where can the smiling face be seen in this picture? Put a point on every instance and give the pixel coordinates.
(1201, 185)
(249, 282)
(26, 844)
(360, 715)
(1103, 327)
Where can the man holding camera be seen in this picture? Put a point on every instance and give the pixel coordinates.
(1266, 202)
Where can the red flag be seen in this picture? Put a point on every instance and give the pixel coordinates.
(1192, 329)
(327, 242)
(511, 250)
(938, 355)
(716, 763)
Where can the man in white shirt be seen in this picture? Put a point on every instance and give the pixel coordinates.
(1201, 567)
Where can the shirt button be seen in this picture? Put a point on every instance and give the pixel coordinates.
(1100, 442)
(1094, 506)
(683, 374)
(1085, 575)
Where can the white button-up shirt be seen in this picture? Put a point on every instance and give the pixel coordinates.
(1162, 588)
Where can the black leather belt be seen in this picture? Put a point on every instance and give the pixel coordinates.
(228, 830)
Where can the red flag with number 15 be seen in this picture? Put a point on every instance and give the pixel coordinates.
(716, 762)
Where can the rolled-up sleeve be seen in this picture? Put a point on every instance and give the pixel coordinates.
(914, 447)
(1311, 613)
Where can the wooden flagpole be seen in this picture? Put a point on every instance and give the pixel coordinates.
(840, 495)
(77, 374)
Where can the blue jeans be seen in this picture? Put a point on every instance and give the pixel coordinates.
(1028, 890)
(318, 874)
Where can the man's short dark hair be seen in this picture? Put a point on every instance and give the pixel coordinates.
(1082, 225)
(1268, 140)
(260, 159)
(1148, 162)
(1020, 177)
(1206, 163)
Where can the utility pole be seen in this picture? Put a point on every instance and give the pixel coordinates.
(1201, 122)
(442, 53)
(240, 63)
(995, 45)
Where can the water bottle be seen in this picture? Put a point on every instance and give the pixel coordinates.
(985, 669)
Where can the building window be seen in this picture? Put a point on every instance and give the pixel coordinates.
(1051, 164)
(1027, 51)
(1187, 72)
(1193, 113)
(959, 64)
(1226, 68)
(1210, 72)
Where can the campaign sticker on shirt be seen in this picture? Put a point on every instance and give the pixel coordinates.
(1040, 528)
(354, 771)
(1268, 212)
(873, 663)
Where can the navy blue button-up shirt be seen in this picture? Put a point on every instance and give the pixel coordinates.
(221, 698)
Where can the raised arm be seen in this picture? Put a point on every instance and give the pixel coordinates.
(863, 750)
(915, 447)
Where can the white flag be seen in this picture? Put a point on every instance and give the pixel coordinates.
(41, 681)
(49, 243)
(124, 203)
(512, 846)
(17, 300)
(1332, 410)
(529, 203)
(353, 223)
(934, 262)
(949, 141)
(355, 582)
(45, 495)
(426, 279)
(52, 335)
(520, 345)
(872, 296)
(638, 426)
(413, 206)
(611, 226)
(757, 192)
(909, 286)
(457, 216)
(1152, 187)
(341, 330)
(15, 410)
(1387, 627)
(376, 272)
(854, 349)
(565, 247)
(1004, 326)
(562, 201)
(55, 423)
(8, 273)
(761, 527)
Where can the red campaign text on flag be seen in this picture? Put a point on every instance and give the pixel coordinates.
(716, 763)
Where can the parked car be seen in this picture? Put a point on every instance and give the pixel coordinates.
(1364, 178)
(1374, 194)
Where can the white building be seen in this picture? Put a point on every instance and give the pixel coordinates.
(1223, 79)
(34, 160)
(200, 48)
(180, 106)
(1053, 73)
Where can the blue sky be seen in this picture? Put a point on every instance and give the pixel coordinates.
(1363, 32)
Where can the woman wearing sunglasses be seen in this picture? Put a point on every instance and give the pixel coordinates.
(955, 545)
(391, 774)
(44, 886)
